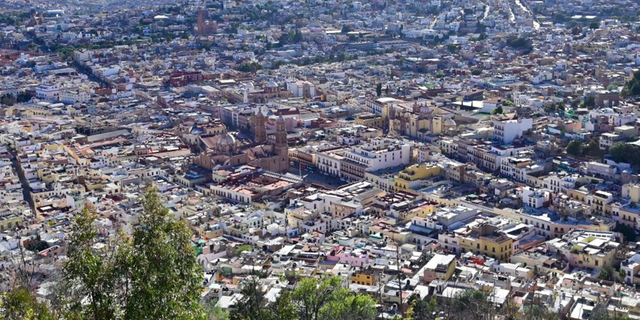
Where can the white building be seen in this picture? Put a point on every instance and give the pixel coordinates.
(73, 96)
(507, 130)
(50, 92)
(380, 153)
(560, 183)
(328, 162)
(616, 119)
(302, 88)
(534, 198)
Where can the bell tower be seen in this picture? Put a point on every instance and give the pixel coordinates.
(281, 132)
(258, 121)
(280, 147)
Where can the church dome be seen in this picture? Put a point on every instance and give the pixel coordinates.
(450, 123)
(224, 140)
(271, 84)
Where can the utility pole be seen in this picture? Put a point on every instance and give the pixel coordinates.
(398, 274)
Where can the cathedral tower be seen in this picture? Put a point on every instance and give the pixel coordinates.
(258, 121)
(281, 133)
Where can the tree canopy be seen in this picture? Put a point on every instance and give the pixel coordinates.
(152, 274)
(312, 299)
(632, 87)
(20, 304)
(624, 152)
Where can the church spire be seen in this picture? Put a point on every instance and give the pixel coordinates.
(258, 121)
(281, 132)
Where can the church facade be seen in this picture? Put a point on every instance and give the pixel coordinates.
(227, 150)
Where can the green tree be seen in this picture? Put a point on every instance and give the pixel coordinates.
(632, 87)
(560, 18)
(592, 149)
(312, 296)
(283, 308)
(326, 298)
(624, 152)
(519, 43)
(312, 299)
(622, 275)
(36, 245)
(88, 273)
(165, 277)
(216, 313)
(20, 304)
(606, 273)
(510, 310)
(628, 233)
(590, 102)
(353, 307)
(470, 305)
(242, 248)
(7, 99)
(422, 310)
(253, 303)
(600, 313)
(249, 67)
(379, 89)
(577, 30)
(575, 148)
(497, 110)
(346, 29)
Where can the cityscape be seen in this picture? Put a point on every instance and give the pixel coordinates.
(319, 159)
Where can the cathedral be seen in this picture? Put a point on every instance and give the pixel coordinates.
(205, 27)
(226, 149)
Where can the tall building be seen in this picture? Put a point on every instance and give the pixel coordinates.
(258, 122)
(227, 150)
(377, 154)
(281, 147)
(506, 131)
(205, 27)
(281, 132)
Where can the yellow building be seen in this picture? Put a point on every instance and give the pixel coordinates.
(486, 240)
(422, 210)
(370, 120)
(363, 277)
(298, 216)
(212, 231)
(10, 222)
(409, 178)
(440, 267)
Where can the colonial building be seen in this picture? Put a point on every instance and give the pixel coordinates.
(227, 150)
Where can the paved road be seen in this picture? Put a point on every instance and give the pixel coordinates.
(86, 70)
(23, 179)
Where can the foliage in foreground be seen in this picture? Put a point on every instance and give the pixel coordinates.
(312, 299)
(151, 275)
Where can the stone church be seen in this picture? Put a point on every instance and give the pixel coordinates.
(227, 149)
